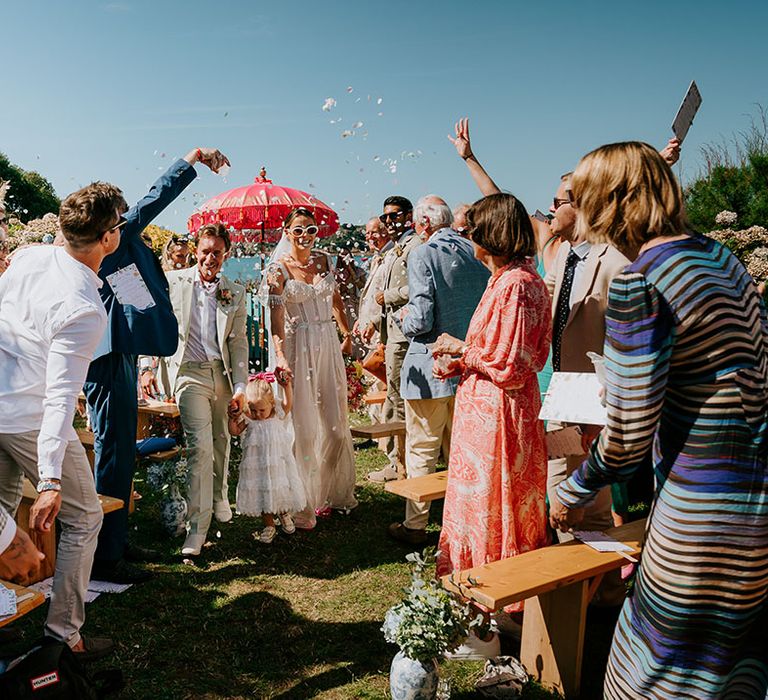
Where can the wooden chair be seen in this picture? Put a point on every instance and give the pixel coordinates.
(557, 583)
(421, 489)
(46, 542)
(375, 398)
(376, 431)
(26, 601)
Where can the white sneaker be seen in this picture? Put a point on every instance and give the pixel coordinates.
(388, 473)
(222, 511)
(268, 534)
(475, 649)
(192, 545)
(286, 524)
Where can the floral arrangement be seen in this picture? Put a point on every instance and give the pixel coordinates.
(165, 426)
(430, 620)
(165, 475)
(749, 245)
(357, 384)
(224, 295)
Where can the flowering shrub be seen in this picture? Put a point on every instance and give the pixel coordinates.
(33, 231)
(357, 384)
(750, 246)
(170, 472)
(726, 219)
(429, 620)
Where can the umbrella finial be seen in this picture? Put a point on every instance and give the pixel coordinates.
(262, 175)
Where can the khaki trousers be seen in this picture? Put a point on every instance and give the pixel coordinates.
(393, 408)
(80, 517)
(427, 431)
(203, 394)
(597, 516)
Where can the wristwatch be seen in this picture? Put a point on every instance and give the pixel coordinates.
(48, 485)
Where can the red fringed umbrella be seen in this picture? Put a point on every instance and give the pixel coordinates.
(257, 212)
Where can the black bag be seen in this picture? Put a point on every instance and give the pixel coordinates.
(50, 671)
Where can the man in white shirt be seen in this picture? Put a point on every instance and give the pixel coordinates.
(51, 320)
(207, 373)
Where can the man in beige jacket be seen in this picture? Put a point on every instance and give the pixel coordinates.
(207, 373)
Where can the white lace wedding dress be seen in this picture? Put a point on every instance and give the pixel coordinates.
(323, 443)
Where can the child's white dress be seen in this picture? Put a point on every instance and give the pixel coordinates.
(269, 481)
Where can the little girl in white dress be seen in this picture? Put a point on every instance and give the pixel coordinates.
(270, 483)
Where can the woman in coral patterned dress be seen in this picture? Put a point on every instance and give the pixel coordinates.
(495, 498)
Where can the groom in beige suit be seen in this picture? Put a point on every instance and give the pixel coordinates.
(207, 374)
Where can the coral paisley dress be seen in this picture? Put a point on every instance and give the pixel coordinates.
(495, 499)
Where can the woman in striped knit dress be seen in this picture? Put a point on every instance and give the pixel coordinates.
(687, 370)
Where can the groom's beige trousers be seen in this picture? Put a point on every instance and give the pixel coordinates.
(203, 393)
(428, 425)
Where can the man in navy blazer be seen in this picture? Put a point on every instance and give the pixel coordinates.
(147, 328)
(445, 283)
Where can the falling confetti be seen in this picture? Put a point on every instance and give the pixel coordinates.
(379, 101)
(226, 114)
(376, 159)
(381, 114)
(350, 89)
(346, 133)
(329, 104)
(357, 125)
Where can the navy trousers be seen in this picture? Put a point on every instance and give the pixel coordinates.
(110, 389)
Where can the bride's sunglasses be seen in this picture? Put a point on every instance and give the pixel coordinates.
(304, 230)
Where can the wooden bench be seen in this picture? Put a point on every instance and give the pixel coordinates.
(421, 489)
(26, 601)
(163, 455)
(86, 438)
(375, 431)
(557, 583)
(374, 398)
(46, 542)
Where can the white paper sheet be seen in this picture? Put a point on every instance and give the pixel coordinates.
(600, 541)
(574, 397)
(7, 601)
(564, 442)
(95, 588)
(129, 287)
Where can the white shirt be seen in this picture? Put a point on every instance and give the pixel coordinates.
(582, 250)
(51, 320)
(202, 340)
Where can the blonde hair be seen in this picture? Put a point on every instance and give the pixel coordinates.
(626, 194)
(259, 390)
(172, 243)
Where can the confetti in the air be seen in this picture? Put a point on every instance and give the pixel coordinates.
(346, 133)
(379, 101)
(329, 104)
(350, 89)
(357, 125)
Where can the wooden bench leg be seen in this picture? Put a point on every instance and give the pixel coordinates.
(400, 443)
(552, 644)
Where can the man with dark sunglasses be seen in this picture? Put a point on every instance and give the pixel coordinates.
(111, 385)
(397, 217)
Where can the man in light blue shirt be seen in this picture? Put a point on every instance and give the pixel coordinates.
(445, 283)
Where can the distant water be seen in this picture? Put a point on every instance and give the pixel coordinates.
(246, 268)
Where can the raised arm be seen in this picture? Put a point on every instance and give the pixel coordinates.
(464, 149)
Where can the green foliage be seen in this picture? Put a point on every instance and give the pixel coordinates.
(735, 179)
(31, 196)
(430, 620)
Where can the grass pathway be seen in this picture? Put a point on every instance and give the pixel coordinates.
(296, 619)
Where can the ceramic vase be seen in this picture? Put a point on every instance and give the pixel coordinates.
(412, 680)
(174, 511)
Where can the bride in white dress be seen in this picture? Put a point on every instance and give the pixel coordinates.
(303, 303)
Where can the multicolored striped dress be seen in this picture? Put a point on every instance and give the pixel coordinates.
(687, 370)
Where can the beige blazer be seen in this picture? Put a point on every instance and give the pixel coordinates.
(396, 288)
(585, 329)
(230, 325)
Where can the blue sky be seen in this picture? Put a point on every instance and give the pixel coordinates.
(116, 90)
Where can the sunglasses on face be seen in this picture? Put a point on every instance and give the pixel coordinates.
(390, 215)
(122, 221)
(311, 230)
(559, 202)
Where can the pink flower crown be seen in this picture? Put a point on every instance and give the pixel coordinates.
(268, 377)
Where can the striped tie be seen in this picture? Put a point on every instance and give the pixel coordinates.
(563, 308)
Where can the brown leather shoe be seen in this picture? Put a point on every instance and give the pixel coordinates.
(95, 648)
(406, 535)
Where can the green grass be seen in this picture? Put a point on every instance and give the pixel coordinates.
(296, 619)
